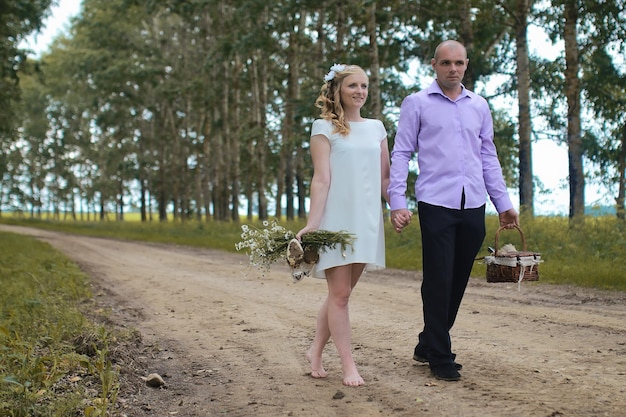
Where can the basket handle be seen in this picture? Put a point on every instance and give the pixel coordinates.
(501, 228)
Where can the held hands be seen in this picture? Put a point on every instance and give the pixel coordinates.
(509, 219)
(400, 219)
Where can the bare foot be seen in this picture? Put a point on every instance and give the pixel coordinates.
(351, 377)
(317, 370)
(353, 380)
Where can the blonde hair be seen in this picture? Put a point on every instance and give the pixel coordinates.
(329, 100)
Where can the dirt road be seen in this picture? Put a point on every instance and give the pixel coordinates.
(229, 342)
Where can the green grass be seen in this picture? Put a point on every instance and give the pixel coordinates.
(589, 254)
(40, 324)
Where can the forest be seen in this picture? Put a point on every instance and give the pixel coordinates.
(201, 109)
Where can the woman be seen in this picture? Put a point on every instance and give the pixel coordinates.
(350, 173)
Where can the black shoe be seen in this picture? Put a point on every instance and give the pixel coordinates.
(423, 359)
(445, 372)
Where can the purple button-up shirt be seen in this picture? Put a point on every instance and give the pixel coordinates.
(455, 152)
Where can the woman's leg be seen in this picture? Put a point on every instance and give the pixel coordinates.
(341, 280)
(322, 334)
(323, 330)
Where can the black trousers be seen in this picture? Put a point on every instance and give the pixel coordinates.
(451, 240)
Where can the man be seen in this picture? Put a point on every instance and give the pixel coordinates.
(451, 129)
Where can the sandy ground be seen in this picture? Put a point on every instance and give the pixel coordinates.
(230, 342)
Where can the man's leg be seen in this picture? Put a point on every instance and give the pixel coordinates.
(438, 226)
(469, 238)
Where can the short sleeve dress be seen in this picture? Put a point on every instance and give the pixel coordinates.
(354, 198)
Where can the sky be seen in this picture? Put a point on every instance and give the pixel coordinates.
(56, 24)
(550, 164)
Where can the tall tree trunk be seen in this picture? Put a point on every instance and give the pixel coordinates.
(259, 101)
(341, 30)
(197, 191)
(219, 165)
(227, 141)
(621, 193)
(205, 161)
(574, 139)
(250, 204)
(234, 139)
(186, 173)
(318, 73)
(467, 38)
(284, 164)
(526, 187)
(292, 145)
(142, 198)
(374, 87)
(174, 167)
(120, 203)
(162, 197)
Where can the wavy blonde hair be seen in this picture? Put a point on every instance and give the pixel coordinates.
(329, 100)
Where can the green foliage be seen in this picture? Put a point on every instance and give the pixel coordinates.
(199, 103)
(504, 131)
(40, 365)
(17, 20)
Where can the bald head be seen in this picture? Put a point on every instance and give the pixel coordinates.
(450, 45)
(450, 63)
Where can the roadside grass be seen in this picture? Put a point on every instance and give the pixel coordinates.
(53, 360)
(589, 254)
(217, 235)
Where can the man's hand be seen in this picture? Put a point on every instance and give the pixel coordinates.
(509, 219)
(400, 219)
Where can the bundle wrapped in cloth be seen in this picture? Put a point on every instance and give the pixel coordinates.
(301, 260)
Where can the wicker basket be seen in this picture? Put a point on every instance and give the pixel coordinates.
(513, 266)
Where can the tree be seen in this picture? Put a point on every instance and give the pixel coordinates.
(605, 146)
(17, 20)
(522, 72)
(193, 105)
(572, 93)
(585, 27)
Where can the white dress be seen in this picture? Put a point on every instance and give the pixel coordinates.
(354, 199)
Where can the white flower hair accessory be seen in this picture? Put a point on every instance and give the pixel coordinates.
(333, 71)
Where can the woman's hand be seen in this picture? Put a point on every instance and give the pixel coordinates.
(400, 219)
(306, 229)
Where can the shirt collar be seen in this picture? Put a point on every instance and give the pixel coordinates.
(435, 89)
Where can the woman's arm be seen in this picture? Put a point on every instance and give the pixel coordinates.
(384, 169)
(320, 183)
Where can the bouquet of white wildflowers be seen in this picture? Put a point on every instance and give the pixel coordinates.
(273, 242)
